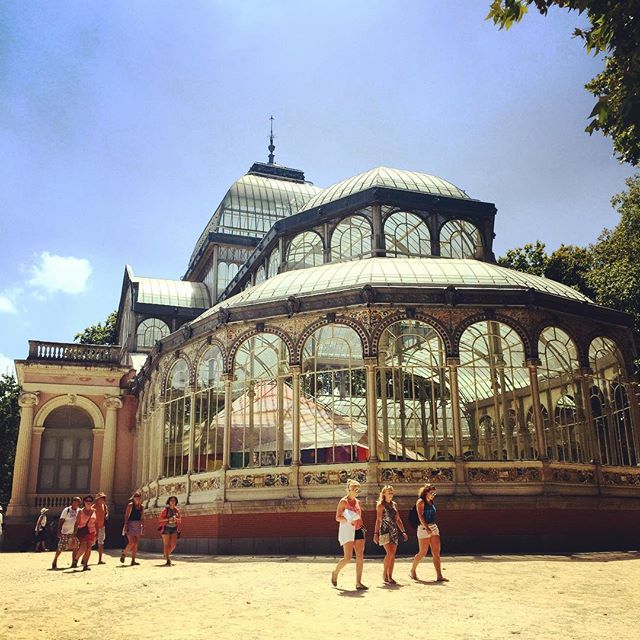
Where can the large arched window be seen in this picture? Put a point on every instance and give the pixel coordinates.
(413, 394)
(305, 250)
(177, 411)
(65, 452)
(262, 409)
(351, 239)
(567, 437)
(617, 440)
(226, 273)
(150, 331)
(274, 263)
(494, 388)
(209, 412)
(460, 239)
(406, 234)
(333, 416)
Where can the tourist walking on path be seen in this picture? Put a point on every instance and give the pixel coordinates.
(350, 533)
(133, 527)
(66, 527)
(170, 525)
(41, 530)
(387, 531)
(85, 531)
(428, 532)
(102, 514)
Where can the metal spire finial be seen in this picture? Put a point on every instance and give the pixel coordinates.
(272, 147)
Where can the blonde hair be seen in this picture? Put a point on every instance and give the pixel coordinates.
(351, 483)
(381, 499)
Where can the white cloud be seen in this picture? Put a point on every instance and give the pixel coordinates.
(6, 305)
(57, 273)
(6, 365)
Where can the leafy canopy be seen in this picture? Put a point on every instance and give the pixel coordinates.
(9, 423)
(614, 31)
(100, 333)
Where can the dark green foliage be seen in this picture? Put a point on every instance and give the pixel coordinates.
(100, 333)
(9, 423)
(615, 32)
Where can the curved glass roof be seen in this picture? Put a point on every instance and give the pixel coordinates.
(390, 272)
(175, 293)
(391, 179)
(253, 204)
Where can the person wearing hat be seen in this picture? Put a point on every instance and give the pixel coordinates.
(66, 540)
(41, 530)
(102, 514)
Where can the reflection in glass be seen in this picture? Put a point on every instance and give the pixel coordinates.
(333, 418)
(413, 394)
(406, 234)
(460, 239)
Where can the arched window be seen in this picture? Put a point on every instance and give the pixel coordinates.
(406, 234)
(566, 436)
(150, 331)
(460, 239)
(413, 394)
(261, 275)
(274, 263)
(493, 387)
(226, 273)
(617, 439)
(351, 239)
(65, 452)
(209, 412)
(177, 412)
(305, 250)
(262, 409)
(333, 417)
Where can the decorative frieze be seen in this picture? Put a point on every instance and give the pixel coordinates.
(630, 478)
(258, 480)
(172, 488)
(339, 476)
(414, 475)
(504, 474)
(573, 476)
(206, 484)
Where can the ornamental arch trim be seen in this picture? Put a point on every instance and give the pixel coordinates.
(529, 351)
(435, 324)
(623, 345)
(70, 400)
(314, 326)
(202, 349)
(582, 351)
(172, 359)
(231, 356)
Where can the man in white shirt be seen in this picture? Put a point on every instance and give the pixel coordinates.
(66, 540)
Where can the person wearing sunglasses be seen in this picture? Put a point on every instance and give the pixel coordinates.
(428, 532)
(387, 531)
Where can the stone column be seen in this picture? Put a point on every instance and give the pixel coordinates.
(107, 468)
(538, 421)
(372, 413)
(18, 506)
(452, 364)
(295, 383)
(228, 401)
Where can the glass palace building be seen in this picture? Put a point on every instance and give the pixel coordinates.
(359, 331)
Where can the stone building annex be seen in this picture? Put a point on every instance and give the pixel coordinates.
(359, 331)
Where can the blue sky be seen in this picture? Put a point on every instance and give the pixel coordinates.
(123, 123)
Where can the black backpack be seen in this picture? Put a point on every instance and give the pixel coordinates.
(414, 521)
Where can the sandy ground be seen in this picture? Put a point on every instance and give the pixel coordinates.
(583, 596)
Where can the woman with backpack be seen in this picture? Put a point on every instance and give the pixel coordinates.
(387, 531)
(169, 525)
(428, 532)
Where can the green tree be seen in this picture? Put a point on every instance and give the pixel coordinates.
(571, 265)
(615, 273)
(9, 423)
(614, 31)
(100, 333)
(531, 258)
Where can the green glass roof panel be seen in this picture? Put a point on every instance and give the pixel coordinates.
(389, 178)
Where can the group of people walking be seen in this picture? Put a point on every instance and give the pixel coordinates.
(388, 529)
(83, 524)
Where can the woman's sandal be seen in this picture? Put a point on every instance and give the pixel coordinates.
(361, 587)
(334, 579)
(413, 575)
